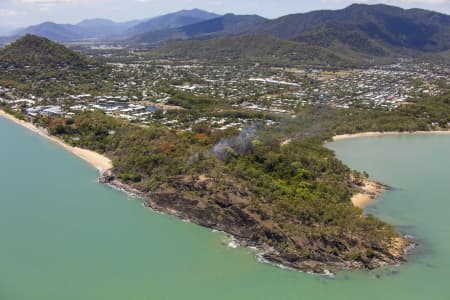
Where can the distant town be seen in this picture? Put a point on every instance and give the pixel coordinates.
(141, 91)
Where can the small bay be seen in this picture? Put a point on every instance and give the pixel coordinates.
(64, 236)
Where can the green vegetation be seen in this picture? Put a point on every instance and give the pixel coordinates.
(299, 193)
(18, 114)
(254, 49)
(320, 123)
(426, 113)
(88, 130)
(354, 36)
(37, 65)
(331, 35)
(32, 51)
(190, 101)
(293, 196)
(276, 185)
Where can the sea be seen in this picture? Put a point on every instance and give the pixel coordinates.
(64, 236)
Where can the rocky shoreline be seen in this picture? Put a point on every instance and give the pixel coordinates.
(240, 226)
(229, 211)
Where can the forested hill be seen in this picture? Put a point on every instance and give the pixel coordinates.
(56, 69)
(359, 33)
(33, 51)
(253, 49)
(412, 29)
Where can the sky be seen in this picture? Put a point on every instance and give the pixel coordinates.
(20, 13)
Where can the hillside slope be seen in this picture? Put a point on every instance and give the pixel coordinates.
(173, 20)
(54, 32)
(256, 49)
(223, 26)
(413, 29)
(34, 51)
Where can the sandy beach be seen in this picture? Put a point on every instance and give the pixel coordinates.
(370, 191)
(100, 162)
(374, 134)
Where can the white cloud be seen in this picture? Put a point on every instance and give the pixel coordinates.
(56, 2)
(48, 2)
(51, 1)
(215, 3)
(45, 5)
(7, 13)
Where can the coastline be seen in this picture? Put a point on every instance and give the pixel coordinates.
(267, 254)
(379, 133)
(371, 190)
(100, 162)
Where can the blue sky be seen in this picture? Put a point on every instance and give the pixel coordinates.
(16, 13)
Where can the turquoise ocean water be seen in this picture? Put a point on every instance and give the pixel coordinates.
(64, 236)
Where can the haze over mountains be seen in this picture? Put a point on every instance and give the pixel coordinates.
(359, 31)
(227, 25)
(174, 20)
(104, 29)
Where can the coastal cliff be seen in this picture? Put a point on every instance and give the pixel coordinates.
(230, 211)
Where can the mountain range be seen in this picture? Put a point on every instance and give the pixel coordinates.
(360, 32)
(227, 25)
(412, 28)
(174, 20)
(107, 30)
(351, 36)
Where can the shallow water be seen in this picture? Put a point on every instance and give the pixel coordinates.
(64, 236)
